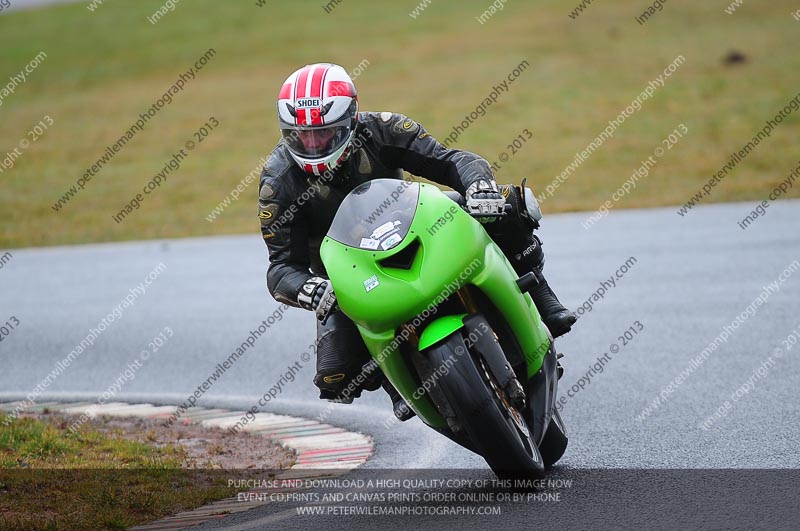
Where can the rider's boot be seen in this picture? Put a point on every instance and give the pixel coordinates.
(557, 318)
(344, 366)
(514, 235)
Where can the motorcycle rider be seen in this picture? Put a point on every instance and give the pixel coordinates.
(327, 149)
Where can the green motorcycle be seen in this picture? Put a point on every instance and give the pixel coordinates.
(448, 321)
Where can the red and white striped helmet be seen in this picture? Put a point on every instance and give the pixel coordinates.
(317, 112)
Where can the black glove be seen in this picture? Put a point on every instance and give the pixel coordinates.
(483, 197)
(317, 295)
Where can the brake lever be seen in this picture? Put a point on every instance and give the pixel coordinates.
(323, 319)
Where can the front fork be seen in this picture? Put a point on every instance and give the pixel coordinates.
(537, 399)
(487, 345)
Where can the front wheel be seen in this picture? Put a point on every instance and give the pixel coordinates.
(493, 425)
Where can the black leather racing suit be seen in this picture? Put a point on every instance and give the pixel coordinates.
(296, 210)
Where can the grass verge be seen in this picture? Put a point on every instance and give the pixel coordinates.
(105, 67)
(95, 479)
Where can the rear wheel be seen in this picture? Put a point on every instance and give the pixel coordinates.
(494, 426)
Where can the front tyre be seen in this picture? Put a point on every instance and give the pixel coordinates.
(495, 428)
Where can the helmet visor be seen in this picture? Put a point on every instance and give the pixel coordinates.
(315, 143)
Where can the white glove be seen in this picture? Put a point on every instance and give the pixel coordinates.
(324, 301)
(317, 295)
(483, 198)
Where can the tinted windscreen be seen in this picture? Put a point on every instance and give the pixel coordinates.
(376, 215)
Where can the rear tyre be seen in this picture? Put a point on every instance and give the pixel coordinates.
(497, 431)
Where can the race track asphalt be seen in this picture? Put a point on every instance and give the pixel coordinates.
(691, 276)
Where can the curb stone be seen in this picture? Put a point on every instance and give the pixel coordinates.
(318, 446)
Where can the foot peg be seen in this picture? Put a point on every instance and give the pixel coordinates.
(332, 397)
(527, 282)
(399, 406)
(402, 411)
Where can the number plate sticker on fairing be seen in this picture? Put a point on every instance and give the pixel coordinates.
(384, 229)
(371, 283)
(369, 243)
(391, 241)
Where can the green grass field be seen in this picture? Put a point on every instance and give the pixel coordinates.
(106, 481)
(105, 67)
